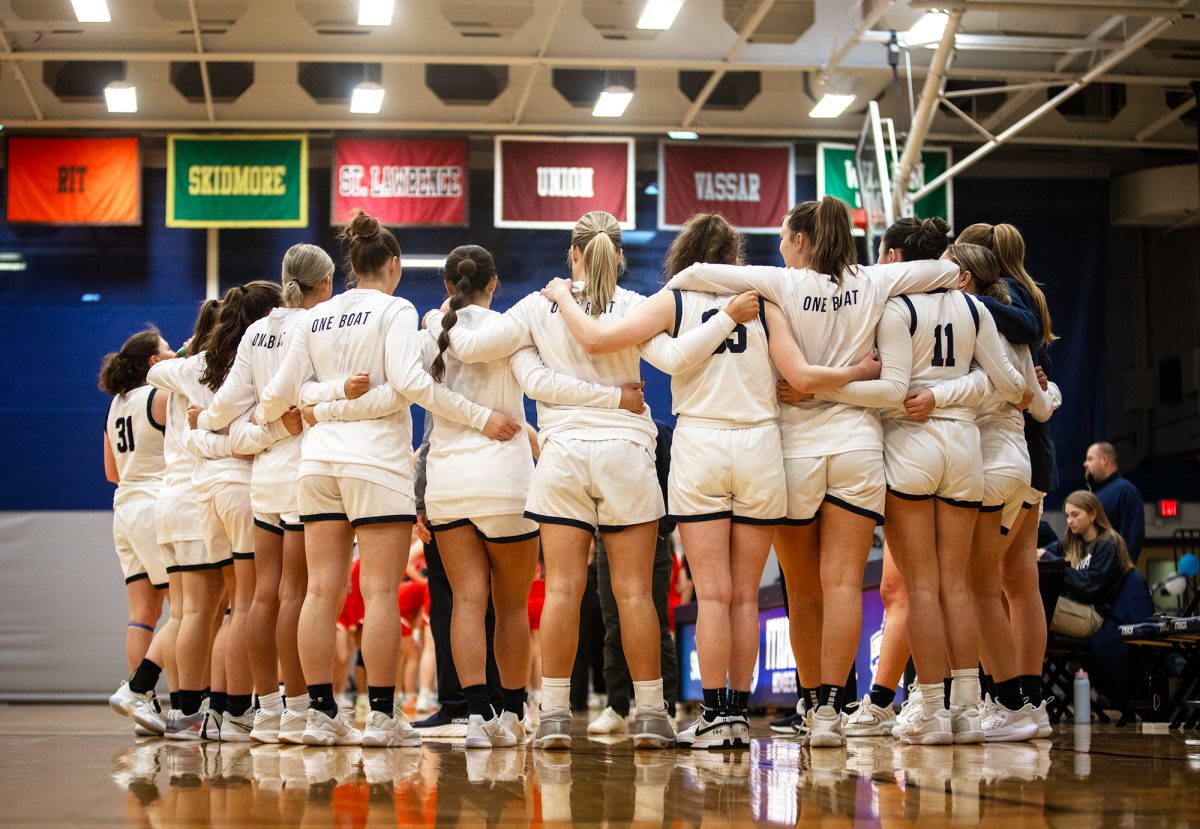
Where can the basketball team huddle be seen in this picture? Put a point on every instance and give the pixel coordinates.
(812, 402)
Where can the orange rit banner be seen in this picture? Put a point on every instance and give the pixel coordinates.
(74, 181)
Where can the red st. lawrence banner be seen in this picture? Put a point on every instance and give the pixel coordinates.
(68, 181)
(401, 182)
(551, 182)
(752, 185)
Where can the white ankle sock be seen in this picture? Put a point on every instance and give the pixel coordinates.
(556, 693)
(648, 695)
(298, 703)
(933, 697)
(271, 702)
(964, 687)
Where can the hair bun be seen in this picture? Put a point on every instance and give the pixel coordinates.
(364, 226)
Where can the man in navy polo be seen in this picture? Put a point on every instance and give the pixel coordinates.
(1121, 499)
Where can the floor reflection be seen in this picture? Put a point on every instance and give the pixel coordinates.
(776, 782)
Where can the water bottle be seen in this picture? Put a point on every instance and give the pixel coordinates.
(1083, 697)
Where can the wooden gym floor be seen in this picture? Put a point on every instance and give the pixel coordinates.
(80, 765)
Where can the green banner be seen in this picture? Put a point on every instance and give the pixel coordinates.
(837, 176)
(237, 181)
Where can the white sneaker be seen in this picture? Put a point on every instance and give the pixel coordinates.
(211, 729)
(653, 729)
(528, 724)
(323, 730)
(1007, 726)
(912, 707)
(826, 728)
(292, 725)
(706, 733)
(493, 733)
(739, 729)
(966, 724)
(609, 722)
(514, 731)
(266, 726)
(236, 729)
(871, 720)
(554, 729)
(383, 731)
(125, 698)
(929, 728)
(986, 708)
(1040, 716)
(180, 726)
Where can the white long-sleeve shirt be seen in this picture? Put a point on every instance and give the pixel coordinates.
(216, 466)
(535, 321)
(927, 339)
(992, 409)
(362, 330)
(834, 324)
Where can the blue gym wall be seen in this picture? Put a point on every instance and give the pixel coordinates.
(52, 341)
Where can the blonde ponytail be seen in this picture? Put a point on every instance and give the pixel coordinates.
(597, 235)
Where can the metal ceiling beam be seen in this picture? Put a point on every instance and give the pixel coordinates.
(1047, 7)
(21, 79)
(1009, 43)
(926, 107)
(747, 32)
(533, 70)
(863, 27)
(1158, 125)
(208, 99)
(475, 127)
(1144, 35)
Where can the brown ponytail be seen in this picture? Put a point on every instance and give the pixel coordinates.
(470, 269)
(1006, 243)
(826, 224)
(123, 371)
(917, 238)
(240, 307)
(704, 237)
(369, 245)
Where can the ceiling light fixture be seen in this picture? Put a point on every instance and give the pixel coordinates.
(682, 135)
(121, 97)
(375, 12)
(91, 11)
(659, 14)
(831, 106)
(367, 99)
(928, 30)
(612, 102)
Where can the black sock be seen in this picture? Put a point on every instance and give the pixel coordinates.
(206, 693)
(1008, 694)
(715, 700)
(189, 701)
(477, 701)
(383, 698)
(174, 699)
(739, 702)
(946, 693)
(1031, 688)
(832, 695)
(321, 698)
(238, 704)
(514, 701)
(882, 697)
(987, 685)
(811, 697)
(145, 677)
(216, 702)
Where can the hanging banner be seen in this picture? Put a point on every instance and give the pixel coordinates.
(406, 182)
(751, 185)
(237, 181)
(74, 181)
(551, 182)
(837, 175)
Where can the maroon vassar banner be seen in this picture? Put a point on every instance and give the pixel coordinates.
(751, 185)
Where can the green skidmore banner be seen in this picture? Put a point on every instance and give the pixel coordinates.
(237, 181)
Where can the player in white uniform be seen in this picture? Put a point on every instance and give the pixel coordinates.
(726, 486)
(935, 487)
(907, 239)
(1006, 474)
(221, 485)
(833, 452)
(476, 495)
(133, 460)
(279, 568)
(596, 471)
(357, 476)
